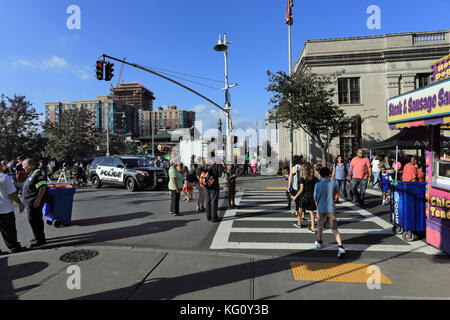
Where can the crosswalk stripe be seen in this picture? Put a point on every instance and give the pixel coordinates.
(310, 246)
(225, 228)
(305, 230)
(287, 219)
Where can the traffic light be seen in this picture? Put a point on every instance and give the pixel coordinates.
(109, 71)
(99, 70)
(235, 139)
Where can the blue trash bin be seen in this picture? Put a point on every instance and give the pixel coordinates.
(408, 208)
(58, 210)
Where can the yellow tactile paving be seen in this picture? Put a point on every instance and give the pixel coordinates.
(334, 272)
(276, 188)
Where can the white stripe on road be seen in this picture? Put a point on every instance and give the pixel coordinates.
(225, 228)
(310, 246)
(306, 230)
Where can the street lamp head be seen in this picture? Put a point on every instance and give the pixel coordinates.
(220, 46)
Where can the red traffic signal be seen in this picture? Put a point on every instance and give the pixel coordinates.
(99, 70)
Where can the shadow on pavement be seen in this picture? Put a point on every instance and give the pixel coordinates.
(110, 219)
(116, 234)
(9, 274)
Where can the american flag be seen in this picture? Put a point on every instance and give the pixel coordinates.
(289, 20)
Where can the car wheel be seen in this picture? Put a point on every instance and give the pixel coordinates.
(96, 182)
(131, 184)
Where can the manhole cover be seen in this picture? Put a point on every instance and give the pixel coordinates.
(79, 255)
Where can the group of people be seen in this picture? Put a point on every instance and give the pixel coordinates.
(312, 191)
(34, 196)
(205, 179)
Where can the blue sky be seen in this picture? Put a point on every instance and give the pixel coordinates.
(45, 61)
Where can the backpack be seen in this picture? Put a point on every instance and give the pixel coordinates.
(206, 180)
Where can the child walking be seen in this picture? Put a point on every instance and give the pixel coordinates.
(324, 196)
(306, 195)
(385, 183)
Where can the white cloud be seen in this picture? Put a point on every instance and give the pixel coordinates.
(22, 63)
(55, 63)
(82, 73)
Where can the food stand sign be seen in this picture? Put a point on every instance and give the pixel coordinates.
(428, 102)
(441, 69)
(438, 214)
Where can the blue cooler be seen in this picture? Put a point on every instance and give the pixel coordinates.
(408, 208)
(58, 210)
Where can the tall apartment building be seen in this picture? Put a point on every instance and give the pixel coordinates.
(134, 94)
(99, 109)
(172, 118)
(376, 69)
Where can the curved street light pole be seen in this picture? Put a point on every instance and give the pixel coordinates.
(223, 46)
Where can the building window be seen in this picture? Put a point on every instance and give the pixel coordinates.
(348, 91)
(351, 138)
(421, 80)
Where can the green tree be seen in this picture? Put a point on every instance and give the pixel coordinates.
(116, 144)
(304, 101)
(69, 137)
(18, 127)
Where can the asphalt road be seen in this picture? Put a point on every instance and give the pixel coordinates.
(112, 216)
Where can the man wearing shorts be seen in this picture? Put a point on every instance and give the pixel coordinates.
(324, 192)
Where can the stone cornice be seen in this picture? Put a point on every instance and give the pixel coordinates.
(413, 54)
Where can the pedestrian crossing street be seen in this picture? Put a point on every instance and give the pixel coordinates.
(262, 222)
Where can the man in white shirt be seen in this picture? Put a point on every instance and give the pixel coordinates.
(7, 219)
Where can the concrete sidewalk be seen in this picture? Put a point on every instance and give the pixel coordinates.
(132, 273)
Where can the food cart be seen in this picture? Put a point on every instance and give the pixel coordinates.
(430, 107)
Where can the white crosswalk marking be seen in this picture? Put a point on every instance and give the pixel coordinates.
(257, 206)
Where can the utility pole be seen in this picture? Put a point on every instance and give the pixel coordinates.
(223, 46)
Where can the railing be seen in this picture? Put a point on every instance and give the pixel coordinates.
(429, 38)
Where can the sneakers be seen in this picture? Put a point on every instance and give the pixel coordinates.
(341, 252)
(318, 244)
(312, 230)
(298, 226)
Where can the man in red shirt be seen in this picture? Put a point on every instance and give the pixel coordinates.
(362, 173)
(410, 171)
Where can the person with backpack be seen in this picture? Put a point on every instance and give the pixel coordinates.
(339, 174)
(201, 187)
(230, 175)
(210, 179)
(294, 184)
(306, 195)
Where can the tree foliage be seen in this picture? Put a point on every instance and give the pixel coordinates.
(69, 137)
(304, 101)
(18, 128)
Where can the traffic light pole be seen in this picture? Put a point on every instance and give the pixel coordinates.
(164, 77)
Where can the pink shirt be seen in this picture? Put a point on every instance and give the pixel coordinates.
(360, 167)
(410, 173)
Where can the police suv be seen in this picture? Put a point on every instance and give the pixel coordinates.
(129, 171)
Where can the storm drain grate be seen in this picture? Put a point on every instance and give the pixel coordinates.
(78, 255)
